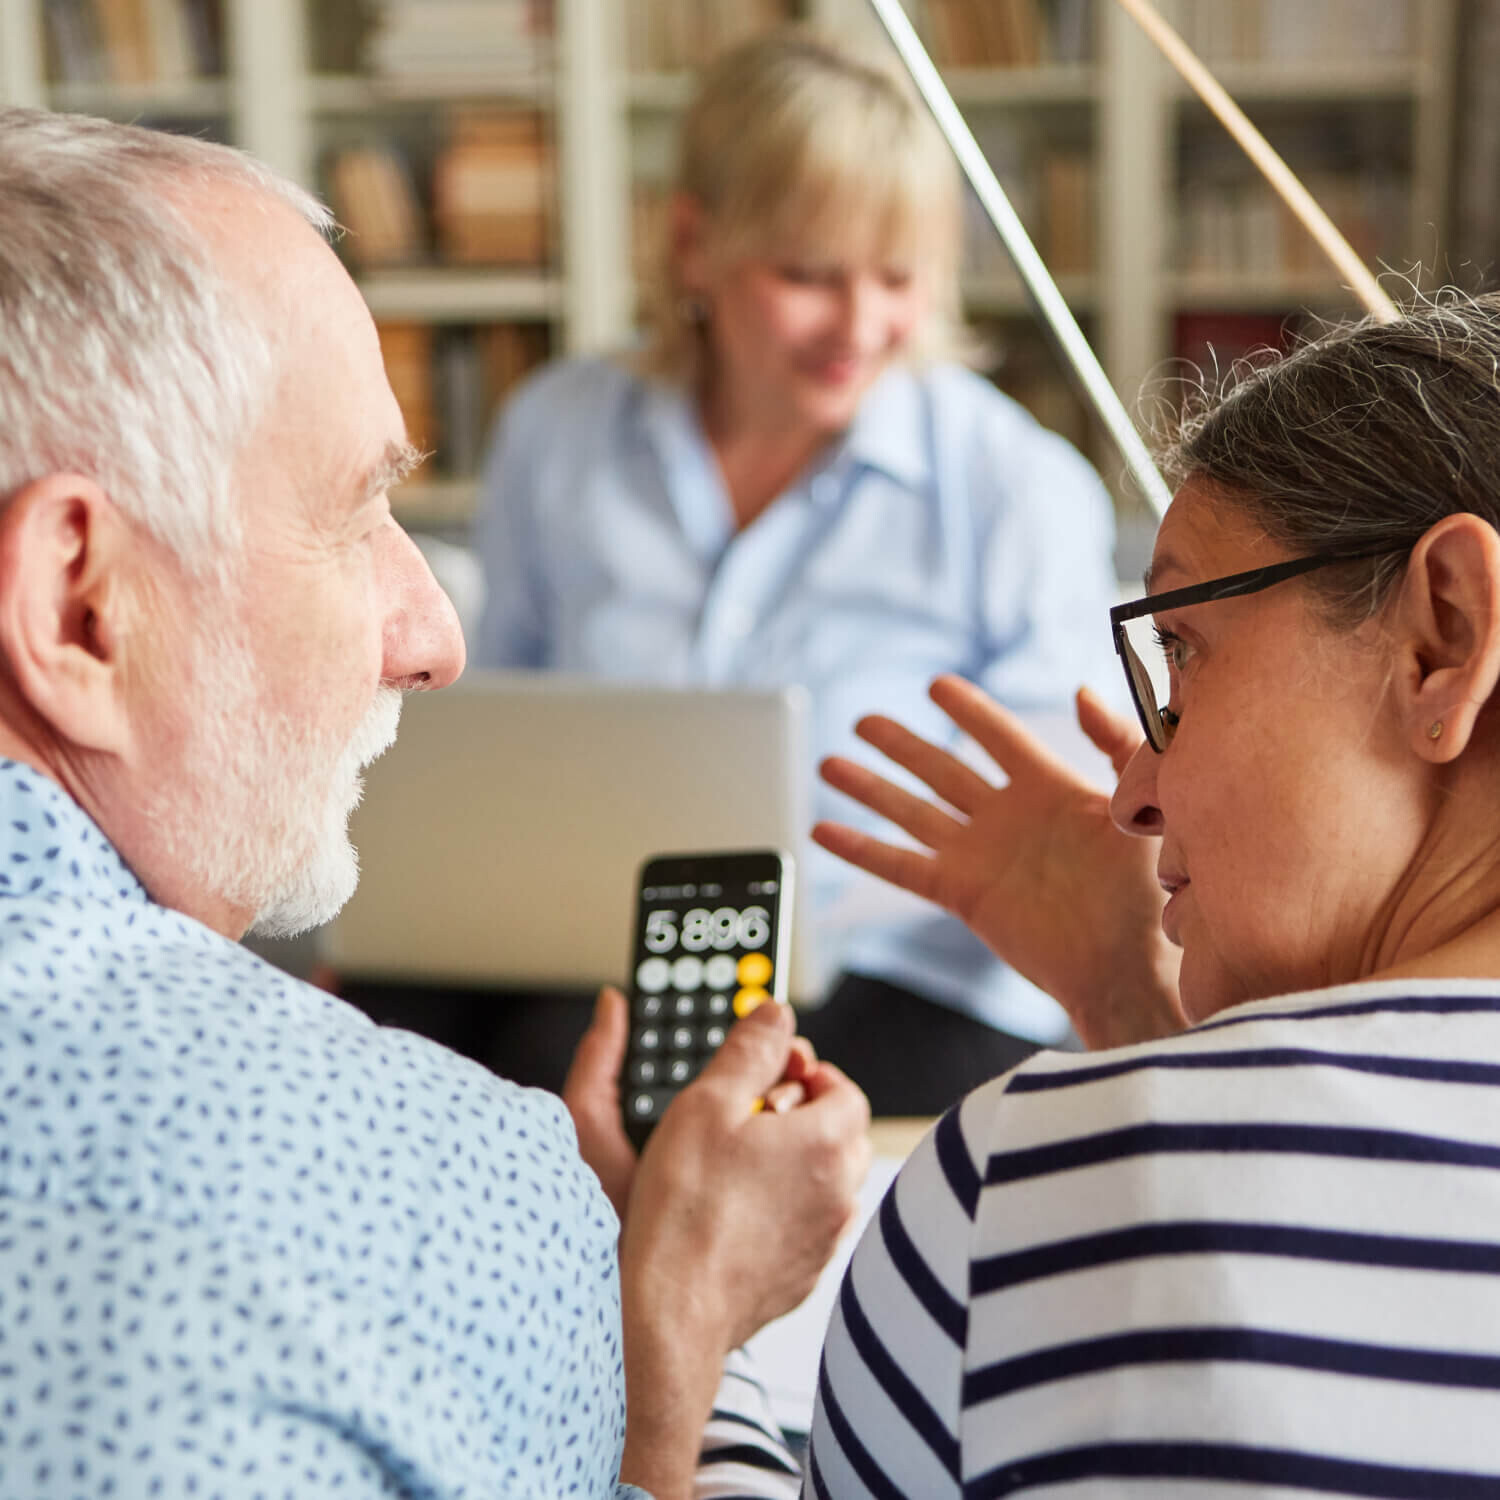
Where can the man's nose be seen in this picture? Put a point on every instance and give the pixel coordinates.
(424, 643)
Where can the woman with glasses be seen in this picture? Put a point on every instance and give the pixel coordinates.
(1253, 1248)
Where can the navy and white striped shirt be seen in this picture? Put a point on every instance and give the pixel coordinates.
(1262, 1257)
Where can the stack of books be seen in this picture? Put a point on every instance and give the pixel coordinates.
(1230, 222)
(1296, 30)
(1007, 33)
(479, 46)
(374, 198)
(450, 382)
(492, 191)
(1053, 189)
(133, 41)
(668, 35)
(491, 200)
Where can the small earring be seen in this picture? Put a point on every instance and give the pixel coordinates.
(1436, 730)
(692, 308)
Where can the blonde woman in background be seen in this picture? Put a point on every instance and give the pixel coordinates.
(794, 481)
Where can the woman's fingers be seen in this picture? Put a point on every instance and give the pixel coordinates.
(957, 784)
(907, 868)
(926, 823)
(1004, 738)
(1115, 735)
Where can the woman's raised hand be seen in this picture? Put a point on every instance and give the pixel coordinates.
(1035, 868)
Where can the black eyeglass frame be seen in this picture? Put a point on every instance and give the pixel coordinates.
(1229, 587)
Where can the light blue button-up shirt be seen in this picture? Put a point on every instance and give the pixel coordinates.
(946, 532)
(252, 1245)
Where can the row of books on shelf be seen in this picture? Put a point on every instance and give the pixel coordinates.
(488, 201)
(1243, 227)
(132, 41)
(668, 35)
(1295, 30)
(1055, 199)
(1006, 33)
(486, 45)
(450, 381)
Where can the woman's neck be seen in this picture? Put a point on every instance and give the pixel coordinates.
(758, 456)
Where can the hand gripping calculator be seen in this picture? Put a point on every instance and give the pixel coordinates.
(712, 941)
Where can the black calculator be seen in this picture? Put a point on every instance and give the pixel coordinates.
(711, 944)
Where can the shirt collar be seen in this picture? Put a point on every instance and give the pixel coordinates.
(52, 847)
(889, 431)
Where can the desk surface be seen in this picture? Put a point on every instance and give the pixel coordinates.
(897, 1137)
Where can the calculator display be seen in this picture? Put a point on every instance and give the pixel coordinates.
(707, 951)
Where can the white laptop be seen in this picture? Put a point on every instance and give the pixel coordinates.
(500, 837)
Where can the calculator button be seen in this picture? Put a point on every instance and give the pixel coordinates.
(754, 969)
(653, 975)
(648, 1039)
(682, 1039)
(650, 1007)
(643, 1104)
(717, 1005)
(718, 972)
(747, 999)
(679, 1070)
(684, 1006)
(645, 1070)
(714, 1036)
(687, 972)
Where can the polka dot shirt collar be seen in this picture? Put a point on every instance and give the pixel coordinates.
(52, 847)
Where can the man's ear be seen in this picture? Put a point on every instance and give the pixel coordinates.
(64, 549)
(1449, 623)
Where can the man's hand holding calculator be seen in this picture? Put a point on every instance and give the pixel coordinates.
(727, 1218)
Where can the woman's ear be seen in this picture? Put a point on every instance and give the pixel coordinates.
(686, 244)
(63, 552)
(1449, 635)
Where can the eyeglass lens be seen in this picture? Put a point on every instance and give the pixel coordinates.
(1146, 665)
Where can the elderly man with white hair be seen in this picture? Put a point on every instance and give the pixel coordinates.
(251, 1244)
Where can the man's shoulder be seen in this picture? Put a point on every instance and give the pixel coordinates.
(202, 1070)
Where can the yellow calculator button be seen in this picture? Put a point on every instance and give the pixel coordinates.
(755, 968)
(747, 999)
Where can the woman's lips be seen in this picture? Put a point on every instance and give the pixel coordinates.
(1173, 885)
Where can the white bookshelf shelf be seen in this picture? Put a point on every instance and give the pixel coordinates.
(1055, 83)
(444, 295)
(189, 98)
(1005, 297)
(357, 94)
(1200, 291)
(1317, 81)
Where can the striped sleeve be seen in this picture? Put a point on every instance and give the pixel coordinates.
(890, 1389)
(744, 1456)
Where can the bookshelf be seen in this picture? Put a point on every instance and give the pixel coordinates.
(1107, 157)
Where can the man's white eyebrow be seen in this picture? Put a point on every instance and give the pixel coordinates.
(398, 460)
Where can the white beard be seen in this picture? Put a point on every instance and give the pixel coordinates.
(259, 812)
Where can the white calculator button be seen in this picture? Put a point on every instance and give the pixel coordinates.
(653, 975)
(718, 972)
(687, 972)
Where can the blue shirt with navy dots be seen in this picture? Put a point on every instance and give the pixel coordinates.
(252, 1245)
